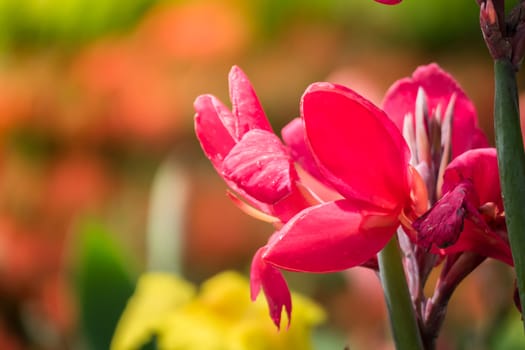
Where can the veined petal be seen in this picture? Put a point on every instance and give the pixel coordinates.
(357, 148)
(214, 127)
(439, 86)
(481, 167)
(273, 284)
(259, 164)
(330, 237)
(246, 107)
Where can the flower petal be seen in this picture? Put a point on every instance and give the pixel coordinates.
(481, 167)
(294, 136)
(330, 237)
(439, 86)
(481, 241)
(246, 107)
(259, 164)
(274, 287)
(214, 126)
(444, 222)
(358, 149)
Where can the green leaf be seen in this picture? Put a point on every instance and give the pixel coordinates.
(103, 284)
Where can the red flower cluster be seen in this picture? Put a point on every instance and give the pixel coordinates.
(349, 175)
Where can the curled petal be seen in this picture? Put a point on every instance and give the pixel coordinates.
(357, 148)
(479, 166)
(443, 223)
(330, 237)
(246, 107)
(214, 126)
(271, 280)
(259, 164)
(439, 86)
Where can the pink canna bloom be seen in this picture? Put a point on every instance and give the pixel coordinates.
(361, 154)
(256, 165)
(355, 184)
(469, 216)
(246, 153)
(441, 91)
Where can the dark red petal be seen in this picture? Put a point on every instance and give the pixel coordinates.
(330, 237)
(260, 165)
(443, 223)
(246, 107)
(271, 280)
(358, 149)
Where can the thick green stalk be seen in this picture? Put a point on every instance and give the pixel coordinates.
(401, 312)
(511, 162)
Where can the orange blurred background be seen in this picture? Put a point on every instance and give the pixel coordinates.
(95, 96)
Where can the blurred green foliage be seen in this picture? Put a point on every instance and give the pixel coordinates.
(64, 22)
(424, 24)
(103, 282)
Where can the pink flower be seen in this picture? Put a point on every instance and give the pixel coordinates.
(469, 216)
(362, 155)
(440, 89)
(246, 153)
(257, 166)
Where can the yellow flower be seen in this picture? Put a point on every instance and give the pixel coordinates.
(220, 317)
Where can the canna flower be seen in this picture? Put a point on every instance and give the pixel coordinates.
(469, 216)
(358, 152)
(244, 150)
(256, 166)
(367, 165)
(218, 315)
(356, 181)
(441, 91)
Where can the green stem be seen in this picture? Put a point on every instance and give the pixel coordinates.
(401, 312)
(511, 162)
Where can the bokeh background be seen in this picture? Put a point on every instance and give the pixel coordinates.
(96, 124)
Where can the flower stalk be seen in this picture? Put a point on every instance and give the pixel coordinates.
(401, 312)
(511, 162)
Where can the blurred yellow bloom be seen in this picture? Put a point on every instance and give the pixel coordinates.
(220, 317)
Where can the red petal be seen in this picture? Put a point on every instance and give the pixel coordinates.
(259, 164)
(294, 135)
(439, 86)
(330, 237)
(274, 286)
(246, 107)
(483, 242)
(444, 222)
(358, 149)
(481, 167)
(214, 126)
